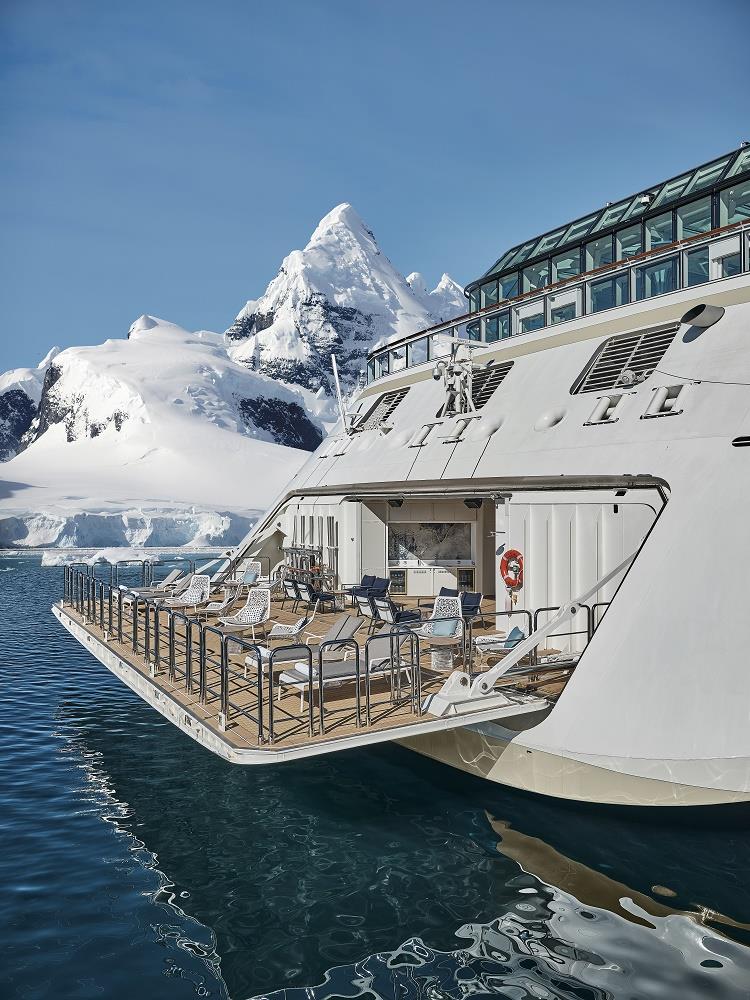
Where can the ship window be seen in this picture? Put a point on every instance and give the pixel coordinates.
(609, 292)
(671, 190)
(626, 360)
(599, 253)
(705, 176)
(473, 330)
(629, 242)
(371, 370)
(417, 351)
(536, 276)
(659, 231)
(694, 218)
(398, 358)
(533, 322)
(560, 314)
(489, 294)
(731, 265)
(741, 164)
(486, 380)
(382, 410)
(383, 363)
(523, 253)
(697, 266)
(547, 243)
(566, 265)
(611, 215)
(474, 300)
(508, 286)
(656, 279)
(497, 327)
(577, 230)
(734, 204)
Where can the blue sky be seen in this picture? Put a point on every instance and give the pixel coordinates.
(163, 157)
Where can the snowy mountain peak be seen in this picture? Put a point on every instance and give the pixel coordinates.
(339, 295)
(143, 323)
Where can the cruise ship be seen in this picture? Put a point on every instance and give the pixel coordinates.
(523, 551)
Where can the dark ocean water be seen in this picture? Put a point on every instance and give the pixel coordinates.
(133, 863)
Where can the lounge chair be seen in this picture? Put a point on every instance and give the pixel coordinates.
(291, 592)
(363, 603)
(294, 631)
(311, 596)
(386, 610)
(361, 588)
(338, 671)
(341, 631)
(196, 593)
(249, 575)
(223, 605)
(444, 628)
(255, 612)
(471, 606)
(171, 585)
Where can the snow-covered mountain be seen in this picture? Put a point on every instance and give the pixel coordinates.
(159, 438)
(20, 393)
(167, 437)
(340, 295)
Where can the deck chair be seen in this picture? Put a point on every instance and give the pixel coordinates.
(386, 610)
(471, 606)
(249, 575)
(343, 629)
(255, 612)
(294, 631)
(338, 671)
(195, 594)
(361, 588)
(291, 593)
(223, 604)
(365, 609)
(442, 632)
(310, 596)
(169, 586)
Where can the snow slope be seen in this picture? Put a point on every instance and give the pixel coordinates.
(340, 295)
(159, 439)
(20, 393)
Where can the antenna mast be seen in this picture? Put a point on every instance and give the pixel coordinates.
(342, 411)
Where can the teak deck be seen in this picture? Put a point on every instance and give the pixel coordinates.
(291, 727)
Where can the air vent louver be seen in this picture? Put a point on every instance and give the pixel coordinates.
(486, 380)
(625, 361)
(382, 410)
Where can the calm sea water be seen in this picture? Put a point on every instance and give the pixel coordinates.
(133, 863)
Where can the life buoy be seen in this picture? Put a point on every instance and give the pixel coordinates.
(511, 569)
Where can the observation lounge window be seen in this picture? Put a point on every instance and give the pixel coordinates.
(371, 370)
(656, 279)
(734, 204)
(599, 253)
(523, 253)
(497, 328)
(528, 323)
(561, 314)
(383, 361)
(547, 243)
(398, 358)
(489, 294)
(536, 276)
(417, 351)
(508, 286)
(566, 264)
(577, 230)
(694, 218)
(611, 215)
(671, 190)
(706, 176)
(609, 292)
(697, 265)
(659, 231)
(474, 300)
(741, 164)
(473, 330)
(629, 242)
(731, 265)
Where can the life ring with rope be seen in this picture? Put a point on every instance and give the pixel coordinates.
(511, 569)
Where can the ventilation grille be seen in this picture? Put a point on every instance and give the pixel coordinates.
(382, 410)
(486, 381)
(625, 361)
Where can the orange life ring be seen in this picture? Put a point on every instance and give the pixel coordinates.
(511, 569)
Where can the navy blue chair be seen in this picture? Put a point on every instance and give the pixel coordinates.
(471, 606)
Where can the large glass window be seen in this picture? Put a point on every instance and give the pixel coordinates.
(734, 204)
(473, 330)
(599, 253)
(383, 363)
(548, 242)
(731, 265)
(523, 253)
(611, 215)
(559, 314)
(371, 370)
(474, 300)
(508, 286)
(417, 351)
(659, 231)
(706, 176)
(566, 264)
(741, 164)
(489, 294)
(628, 242)
(609, 292)
(697, 266)
(497, 327)
(536, 276)
(694, 218)
(398, 358)
(671, 190)
(577, 230)
(529, 323)
(656, 279)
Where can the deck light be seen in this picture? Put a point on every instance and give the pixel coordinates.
(473, 503)
(396, 502)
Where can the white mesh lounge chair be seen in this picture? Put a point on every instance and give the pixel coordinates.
(223, 605)
(196, 593)
(247, 576)
(255, 612)
(338, 671)
(443, 627)
(294, 631)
